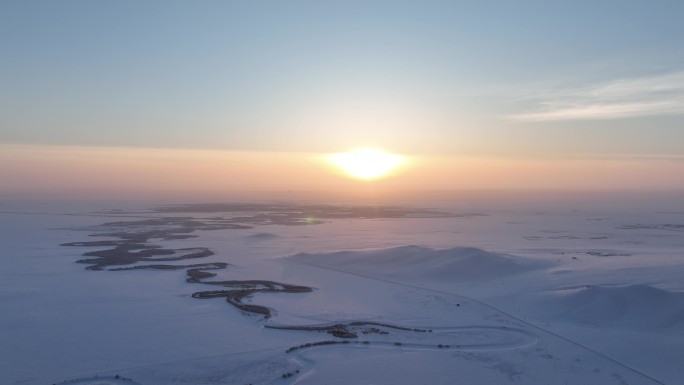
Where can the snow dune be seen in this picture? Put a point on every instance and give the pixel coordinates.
(106, 380)
(417, 263)
(635, 307)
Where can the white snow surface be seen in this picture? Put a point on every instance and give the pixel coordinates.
(545, 292)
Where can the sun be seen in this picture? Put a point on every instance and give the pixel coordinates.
(366, 163)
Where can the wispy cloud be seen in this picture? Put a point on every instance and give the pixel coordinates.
(645, 96)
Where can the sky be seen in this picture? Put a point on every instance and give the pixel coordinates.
(481, 94)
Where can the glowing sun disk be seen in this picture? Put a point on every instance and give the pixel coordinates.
(366, 163)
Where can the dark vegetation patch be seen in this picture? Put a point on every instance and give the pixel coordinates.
(261, 237)
(607, 254)
(319, 343)
(301, 214)
(194, 267)
(240, 290)
(351, 329)
(666, 226)
(133, 247)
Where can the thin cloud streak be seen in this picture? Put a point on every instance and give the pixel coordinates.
(646, 96)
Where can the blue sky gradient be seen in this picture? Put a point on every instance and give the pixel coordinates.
(505, 78)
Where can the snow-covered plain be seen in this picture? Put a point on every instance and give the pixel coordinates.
(554, 292)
